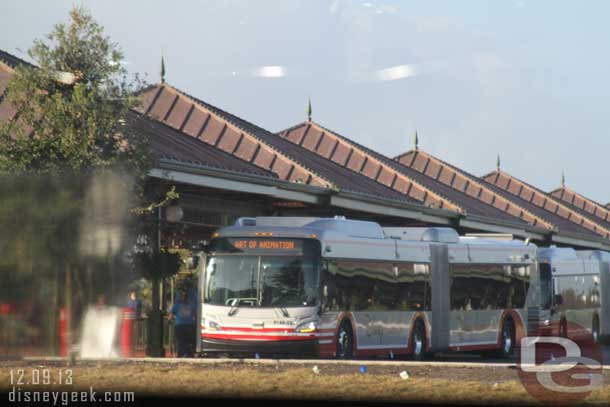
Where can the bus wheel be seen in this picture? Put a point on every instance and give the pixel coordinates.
(345, 341)
(563, 328)
(418, 341)
(595, 329)
(508, 339)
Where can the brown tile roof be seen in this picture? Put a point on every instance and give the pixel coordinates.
(545, 201)
(597, 216)
(253, 144)
(384, 170)
(487, 192)
(7, 111)
(359, 159)
(168, 143)
(582, 203)
(184, 113)
(9, 62)
(468, 184)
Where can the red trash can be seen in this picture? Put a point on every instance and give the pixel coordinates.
(127, 343)
(64, 326)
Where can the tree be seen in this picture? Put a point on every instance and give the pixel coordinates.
(72, 106)
(72, 124)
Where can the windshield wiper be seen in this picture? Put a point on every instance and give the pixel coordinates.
(234, 308)
(284, 312)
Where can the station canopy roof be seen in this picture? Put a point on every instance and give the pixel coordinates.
(472, 194)
(481, 189)
(548, 202)
(587, 206)
(384, 170)
(252, 144)
(185, 129)
(168, 143)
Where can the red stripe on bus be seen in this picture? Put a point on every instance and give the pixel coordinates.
(249, 329)
(258, 337)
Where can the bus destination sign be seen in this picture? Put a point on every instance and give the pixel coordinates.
(264, 244)
(260, 245)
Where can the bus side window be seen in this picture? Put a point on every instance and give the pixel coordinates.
(329, 288)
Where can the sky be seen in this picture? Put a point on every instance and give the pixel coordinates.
(524, 79)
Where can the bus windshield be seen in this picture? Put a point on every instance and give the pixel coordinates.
(262, 281)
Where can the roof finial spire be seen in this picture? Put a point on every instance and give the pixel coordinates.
(563, 179)
(162, 69)
(498, 163)
(416, 141)
(309, 109)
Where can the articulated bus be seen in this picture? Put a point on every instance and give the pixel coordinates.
(579, 302)
(332, 287)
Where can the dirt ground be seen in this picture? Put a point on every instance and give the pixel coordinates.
(289, 382)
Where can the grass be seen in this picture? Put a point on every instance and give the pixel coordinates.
(237, 381)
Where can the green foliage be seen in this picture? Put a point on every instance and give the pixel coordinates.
(39, 222)
(72, 106)
(169, 196)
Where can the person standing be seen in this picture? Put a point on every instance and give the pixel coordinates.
(184, 313)
(134, 303)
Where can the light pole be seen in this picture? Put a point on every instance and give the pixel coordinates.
(154, 347)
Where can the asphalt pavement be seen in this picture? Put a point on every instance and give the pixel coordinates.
(449, 359)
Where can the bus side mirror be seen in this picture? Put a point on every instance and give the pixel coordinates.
(324, 300)
(192, 262)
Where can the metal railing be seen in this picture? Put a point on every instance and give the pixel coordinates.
(141, 336)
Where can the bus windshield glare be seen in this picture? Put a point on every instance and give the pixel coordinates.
(264, 273)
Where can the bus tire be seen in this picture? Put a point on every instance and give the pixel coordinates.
(418, 341)
(507, 340)
(563, 328)
(595, 329)
(345, 341)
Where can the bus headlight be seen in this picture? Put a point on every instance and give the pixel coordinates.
(210, 325)
(306, 327)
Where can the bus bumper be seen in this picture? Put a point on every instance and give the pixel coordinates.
(308, 347)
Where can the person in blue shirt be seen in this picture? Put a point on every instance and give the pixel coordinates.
(184, 313)
(134, 303)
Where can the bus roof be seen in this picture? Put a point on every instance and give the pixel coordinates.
(363, 239)
(357, 229)
(554, 253)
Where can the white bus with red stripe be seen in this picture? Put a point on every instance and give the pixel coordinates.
(333, 287)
